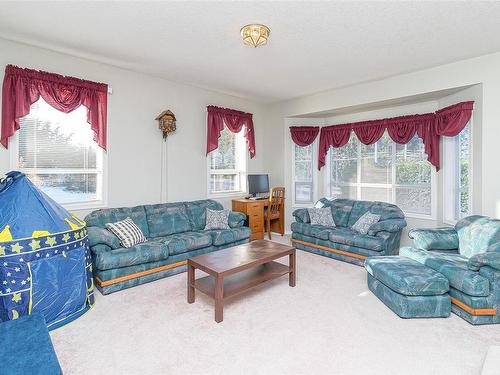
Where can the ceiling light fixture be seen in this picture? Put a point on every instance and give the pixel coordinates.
(255, 34)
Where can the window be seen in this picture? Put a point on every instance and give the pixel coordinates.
(384, 171)
(57, 152)
(457, 176)
(303, 174)
(227, 164)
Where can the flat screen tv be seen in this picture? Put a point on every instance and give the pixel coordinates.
(258, 184)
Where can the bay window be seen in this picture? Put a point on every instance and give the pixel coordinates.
(384, 171)
(303, 174)
(457, 176)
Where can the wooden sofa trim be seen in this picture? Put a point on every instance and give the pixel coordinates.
(471, 310)
(139, 274)
(330, 249)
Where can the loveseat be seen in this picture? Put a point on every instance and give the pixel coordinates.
(174, 233)
(468, 255)
(343, 243)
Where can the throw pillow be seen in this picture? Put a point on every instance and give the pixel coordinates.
(217, 219)
(365, 222)
(321, 216)
(127, 232)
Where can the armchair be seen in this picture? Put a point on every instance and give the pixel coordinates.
(468, 254)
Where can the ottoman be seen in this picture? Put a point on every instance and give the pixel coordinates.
(409, 288)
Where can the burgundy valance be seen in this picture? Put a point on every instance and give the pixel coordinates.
(234, 120)
(429, 127)
(23, 87)
(304, 135)
(451, 120)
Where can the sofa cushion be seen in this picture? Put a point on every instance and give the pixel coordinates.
(196, 212)
(301, 215)
(166, 219)
(127, 232)
(226, 236)
(385, 210)
(350, 237)
(321, 216)
(445, 238)
(100, 218)
(316, 231)
(217, 219)
(100, 236)
(454, 267)
(407, 276)
(476, 234)
(236, 219)
(150, 251)
(365, 222)
(341, 210)
(183, 242)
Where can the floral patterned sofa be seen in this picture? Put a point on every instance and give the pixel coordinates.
(468, 255)
(174, 233)
(343, 243)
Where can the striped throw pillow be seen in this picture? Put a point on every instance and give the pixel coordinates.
(127, 232)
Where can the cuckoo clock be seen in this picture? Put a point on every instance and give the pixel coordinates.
(166, 121)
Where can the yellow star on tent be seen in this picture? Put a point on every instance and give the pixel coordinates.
(66, 237)
(16, 248)
(2, 250)
(51, 241)
(16, 297)
(77, 235)
(35, 245)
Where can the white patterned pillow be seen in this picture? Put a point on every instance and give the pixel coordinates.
(365, 222)
(127, 232)
(321, 216)
(217, 219)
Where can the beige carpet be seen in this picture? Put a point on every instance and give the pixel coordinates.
(328, 324)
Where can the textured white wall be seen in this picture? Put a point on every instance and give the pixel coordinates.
(134, 141)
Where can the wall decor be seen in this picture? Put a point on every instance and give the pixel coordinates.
(167, 122)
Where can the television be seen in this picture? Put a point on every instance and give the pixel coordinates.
(258, 184)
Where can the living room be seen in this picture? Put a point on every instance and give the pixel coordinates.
(173, 114)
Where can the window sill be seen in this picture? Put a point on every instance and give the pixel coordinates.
(234, 194)
(420, 217)
(94, 205)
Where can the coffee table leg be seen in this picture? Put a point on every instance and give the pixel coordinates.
(219, 298)
(190, 283)
(292, 265)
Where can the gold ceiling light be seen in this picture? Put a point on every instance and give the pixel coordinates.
(255, 34)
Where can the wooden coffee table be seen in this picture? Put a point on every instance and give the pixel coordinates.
(237, 269)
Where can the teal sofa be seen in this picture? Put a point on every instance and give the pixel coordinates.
(468, 255)
(343, 243)
(174, 233)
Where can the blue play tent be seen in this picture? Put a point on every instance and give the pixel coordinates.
(45, 264)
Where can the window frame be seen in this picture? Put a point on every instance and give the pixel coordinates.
(449, 174)
(314, 176)
(102, 178)
(392, 186)
(241, 150)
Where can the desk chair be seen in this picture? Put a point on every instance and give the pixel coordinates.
(275, 208)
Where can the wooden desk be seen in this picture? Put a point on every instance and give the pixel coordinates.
(254, 209)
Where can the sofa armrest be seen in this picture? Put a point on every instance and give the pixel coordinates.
(236, 219)
(389, 225)
(435, 239)
(102, 236)
(301, 215)
(490, 258)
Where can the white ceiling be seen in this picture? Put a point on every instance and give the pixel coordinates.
(314, 46)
